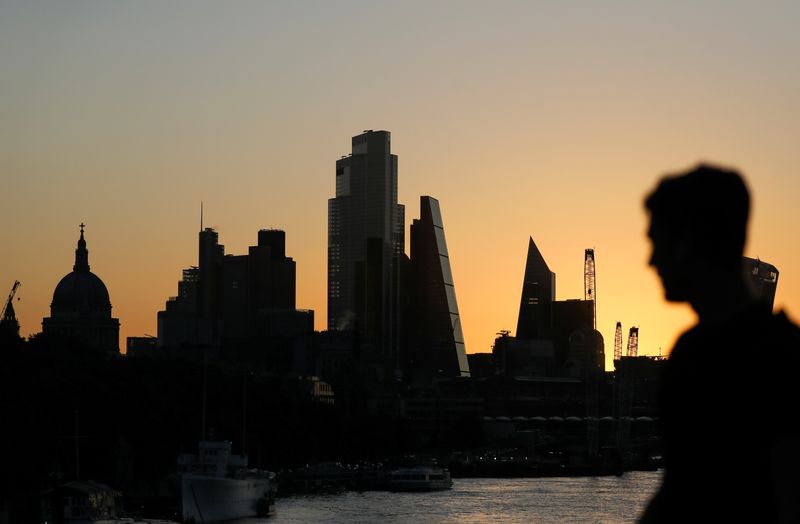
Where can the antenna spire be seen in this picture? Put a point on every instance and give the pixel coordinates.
(201, 215)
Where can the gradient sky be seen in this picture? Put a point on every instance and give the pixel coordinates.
(543, 119)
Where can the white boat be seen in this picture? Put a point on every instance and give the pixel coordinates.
(217, 485)
(425, 478)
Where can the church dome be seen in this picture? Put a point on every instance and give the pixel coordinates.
(81, 293)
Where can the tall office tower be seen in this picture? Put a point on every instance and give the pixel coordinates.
(763, 279)
(365, 244)
(538, 294)
(438, 343)
(210, 256)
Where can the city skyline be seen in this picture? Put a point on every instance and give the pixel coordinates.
(553, 130)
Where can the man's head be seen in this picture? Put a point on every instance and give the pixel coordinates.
(698, 224)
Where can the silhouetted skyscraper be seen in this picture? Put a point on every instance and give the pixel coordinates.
(538, 294)
(235, 298)
(81, 307)
(438, 342)
(763, 279)
(365, 243)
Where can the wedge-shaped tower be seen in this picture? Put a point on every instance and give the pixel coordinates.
(438, 342)
(538, 294)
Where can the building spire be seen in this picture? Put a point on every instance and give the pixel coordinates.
(81, 255)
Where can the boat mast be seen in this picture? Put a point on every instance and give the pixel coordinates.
(244, 413)
(77, 448)
(205, 387)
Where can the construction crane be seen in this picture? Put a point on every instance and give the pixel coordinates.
(590, 283)
(633, 342)
(618, 342)
(8, 319)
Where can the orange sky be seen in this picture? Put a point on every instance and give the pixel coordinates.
(549, 121)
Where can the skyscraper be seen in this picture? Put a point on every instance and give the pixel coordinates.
(365, 244)
(438, 343)
(235, 300)
(538, 294)
(763, 279)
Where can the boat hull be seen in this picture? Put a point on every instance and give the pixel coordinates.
(212, 499)
(420, 485)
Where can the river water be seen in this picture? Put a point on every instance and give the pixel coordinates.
(572, 499)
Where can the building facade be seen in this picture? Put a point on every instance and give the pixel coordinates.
(762, 278)
(366, 241)
(561, 330)
(236, 301)
(437, 344)
(538, 295)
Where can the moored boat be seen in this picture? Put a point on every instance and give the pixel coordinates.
(425, 478)
(217, 485)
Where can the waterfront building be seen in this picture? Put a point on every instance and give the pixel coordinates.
(81, 307)
(585, 353)
(141, 346)
(437, 344)
(366, 241)
(481, 365)
(83, 501)
(523, 357)
(637, 383)
(579, 346)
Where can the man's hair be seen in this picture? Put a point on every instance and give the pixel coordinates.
(709, 203)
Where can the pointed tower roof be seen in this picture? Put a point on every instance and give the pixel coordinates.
(81, 255)
(538, 291)
(535, 263)
(81, 292)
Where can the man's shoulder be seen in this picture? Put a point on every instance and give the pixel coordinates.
(783, 333)
(783, 322)
(752, 330)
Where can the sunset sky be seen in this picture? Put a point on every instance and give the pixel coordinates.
(543, 119)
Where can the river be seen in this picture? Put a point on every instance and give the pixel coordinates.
(608, 500)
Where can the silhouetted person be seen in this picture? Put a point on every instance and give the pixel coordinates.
(730, 390)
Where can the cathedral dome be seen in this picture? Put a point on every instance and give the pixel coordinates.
(81, 293)
(81, 309)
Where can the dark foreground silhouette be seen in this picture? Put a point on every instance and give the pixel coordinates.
(729, 394)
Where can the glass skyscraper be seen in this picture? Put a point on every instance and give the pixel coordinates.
(365, 245)
(437, 349)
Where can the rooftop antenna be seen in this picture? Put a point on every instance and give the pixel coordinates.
(201, 215)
